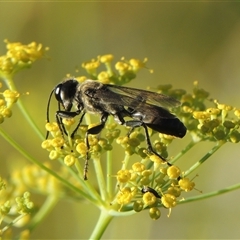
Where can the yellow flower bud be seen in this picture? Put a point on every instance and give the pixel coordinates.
(186, 185)
(169, 200)
(149, 198)
(154, 213)
(173, 172)
(138, 167)
(69, 160)
(123, 176)
(82, 148)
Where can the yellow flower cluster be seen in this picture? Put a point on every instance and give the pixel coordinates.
(147, 185)
(16, 205)
(73, 149)
(124, 70)
(167, 184)
(204, 121)
(19, 56)
(7, 99)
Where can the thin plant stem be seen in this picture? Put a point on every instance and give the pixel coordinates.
(102, 223)
(125, 161)
(45, 209)
(29, 119)
(100, 178)
(12, 223)
(109, 174)
(190, 145)
(42, 166)
(204, 158)
(211, 194)
(23, 110)
(85, 185)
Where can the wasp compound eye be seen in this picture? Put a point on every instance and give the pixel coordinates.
(57, 92)
(65, 93)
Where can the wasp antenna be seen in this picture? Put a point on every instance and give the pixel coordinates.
(48, 106)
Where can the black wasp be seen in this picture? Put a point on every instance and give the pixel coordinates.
(145, 108)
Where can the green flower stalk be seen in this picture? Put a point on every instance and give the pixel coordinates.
(143, 181)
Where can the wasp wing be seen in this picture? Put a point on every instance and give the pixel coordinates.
(131, 96)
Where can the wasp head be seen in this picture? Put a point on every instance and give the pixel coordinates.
(65, 93)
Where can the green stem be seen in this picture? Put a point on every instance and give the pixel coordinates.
(100, 178)
(186, 149)
(204, 158)
(211, 194)
(30, 121)
(109, 174)
(12, 223)
(103, 221)
(45, 209)
(125, 161)
(42, 166)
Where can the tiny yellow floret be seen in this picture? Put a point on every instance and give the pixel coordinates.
(169, 200)
(186, 185)
(149, 198)
(173, 172)
(123, 176)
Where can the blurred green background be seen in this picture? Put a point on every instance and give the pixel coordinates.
(184, 42)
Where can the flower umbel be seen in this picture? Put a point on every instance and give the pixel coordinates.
(19, 56)
(125, 175)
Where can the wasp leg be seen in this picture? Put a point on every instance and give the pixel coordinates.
(64, 114)
(94, 130)
(135, 123)
(79, 123)
(61, 125)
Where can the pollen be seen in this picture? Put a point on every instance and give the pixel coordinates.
(123, 176)
(46, 144)
(138, 167)
(57, 142)
(237, 113)
(174, 190)
(156, 159)
(82, 148)
(68, 121)
(186, 185)
(122, 67)
(106, 58)
(201, 115)
(213, 111)
(137, 64)
(169, 200)
(91, 66)
(124, 196)
(146, 172)
(5, 208)
(103, 77)
(52, 127)
(6, 112)
(53, 155)
(69, 160)
(81, 79)
(10, 96)
(173, 172)
(224, 106)
(149, 198)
